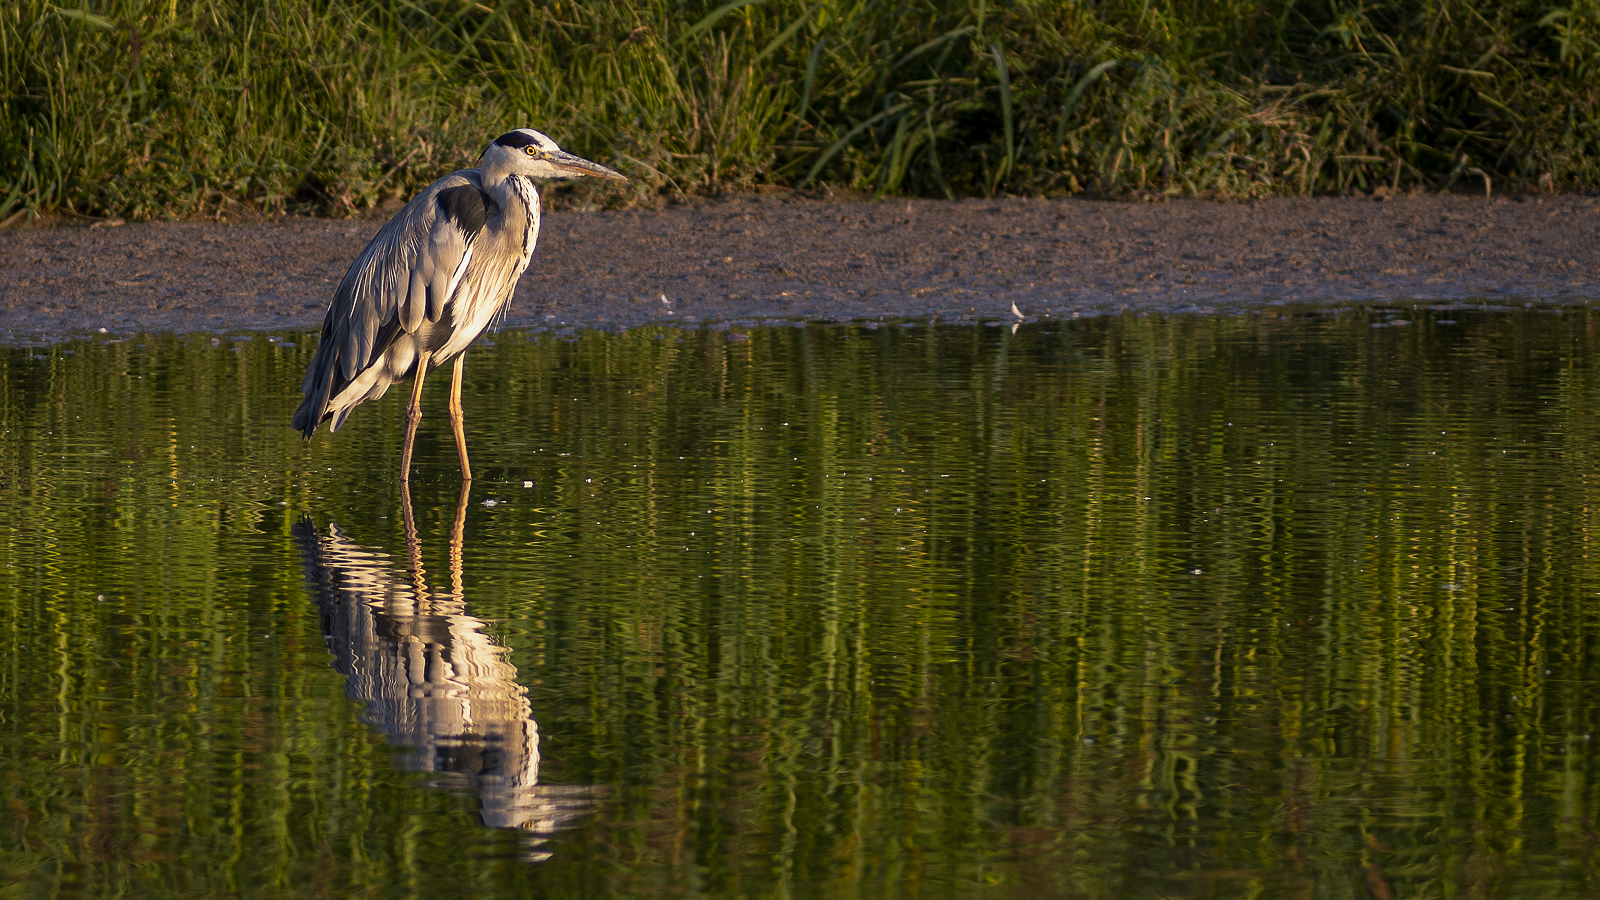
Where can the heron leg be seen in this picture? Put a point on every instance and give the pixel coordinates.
(419, 579)
(413, 417)
(457, 419)
(458, 538)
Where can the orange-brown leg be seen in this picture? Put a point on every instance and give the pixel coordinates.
(457, 420)
(413, 417)
(419, 580)
(458, 538)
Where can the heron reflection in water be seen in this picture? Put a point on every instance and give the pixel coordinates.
(431, 676)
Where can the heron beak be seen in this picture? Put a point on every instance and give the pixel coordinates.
(575, 166)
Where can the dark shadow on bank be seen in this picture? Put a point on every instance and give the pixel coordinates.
(431, 676)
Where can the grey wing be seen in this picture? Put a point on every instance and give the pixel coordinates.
(403, 278)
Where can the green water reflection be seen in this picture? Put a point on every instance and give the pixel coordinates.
(1258, 606)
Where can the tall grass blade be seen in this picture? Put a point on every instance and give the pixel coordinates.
(1083, 84)
(712, 18)
(1004, 76)
(87, 18)
(851, 135)
(784, 35)
(806, 84)
(939, 41)
(933, 155)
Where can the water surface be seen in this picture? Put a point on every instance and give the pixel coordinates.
(1268, 605)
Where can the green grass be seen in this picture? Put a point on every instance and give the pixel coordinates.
(152, 108)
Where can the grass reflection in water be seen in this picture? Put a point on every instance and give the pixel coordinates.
(1192, 607)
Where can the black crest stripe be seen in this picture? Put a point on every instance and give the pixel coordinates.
(514, 139)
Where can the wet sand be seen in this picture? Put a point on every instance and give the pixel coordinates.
(750, 258)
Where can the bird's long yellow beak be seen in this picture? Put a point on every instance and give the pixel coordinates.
(575, 166)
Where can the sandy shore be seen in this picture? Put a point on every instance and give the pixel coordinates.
(748, 258)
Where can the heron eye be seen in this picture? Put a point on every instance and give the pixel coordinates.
(531, 150)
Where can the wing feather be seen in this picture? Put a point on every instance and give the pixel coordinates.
(407, 273)
(444, 286)
(446, 277)
(416, 299)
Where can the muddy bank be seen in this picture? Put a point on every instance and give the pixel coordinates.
(752, 257)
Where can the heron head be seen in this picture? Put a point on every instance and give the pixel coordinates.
(527, 152)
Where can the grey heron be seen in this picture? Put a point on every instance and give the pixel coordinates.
(430, 281)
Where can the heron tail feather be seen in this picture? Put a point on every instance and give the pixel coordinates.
(318, 390)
